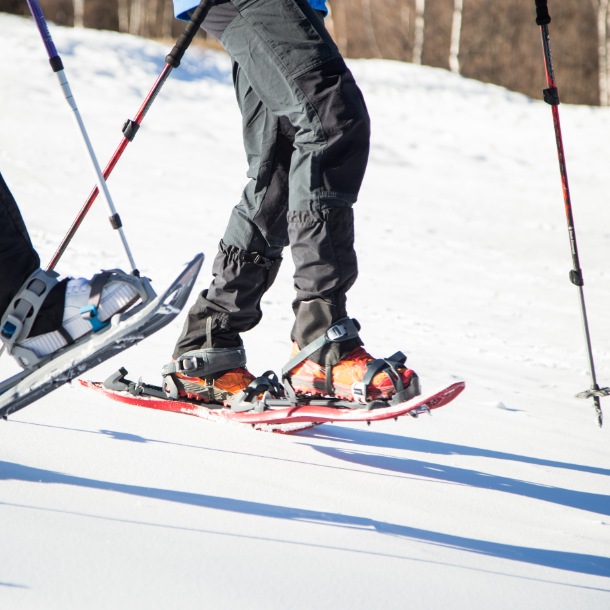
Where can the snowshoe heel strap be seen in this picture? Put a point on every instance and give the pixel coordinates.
(19, 318)
(342, 330)
(207, 362)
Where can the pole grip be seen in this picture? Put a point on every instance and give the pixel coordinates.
(542, 13)
(182, 44)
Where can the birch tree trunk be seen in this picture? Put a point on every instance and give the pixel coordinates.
(405, 25)
(340, 25)
(330, 23)
(418, 44)
(79, 13)
(134, 18)
(601, 6)
(607, 56)
(152, 18)
(123, 16)
(456, 30)
(370, 30)
(168, 19)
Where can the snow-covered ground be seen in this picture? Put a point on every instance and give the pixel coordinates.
(500, 500)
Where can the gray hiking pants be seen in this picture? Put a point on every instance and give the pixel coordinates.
(306, 135)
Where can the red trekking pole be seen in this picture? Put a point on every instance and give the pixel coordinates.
(551, 96)
(130, 128)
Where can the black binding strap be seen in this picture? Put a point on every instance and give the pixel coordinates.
(342, 330)
(207, 362)
(95, 295)
(66, 335)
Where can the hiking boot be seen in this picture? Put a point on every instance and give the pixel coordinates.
(76, 307)
(221, 390)
(347, 376)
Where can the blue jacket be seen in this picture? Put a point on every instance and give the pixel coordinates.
(181, 7)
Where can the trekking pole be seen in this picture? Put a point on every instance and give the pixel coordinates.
(130, 128)
(551, 96)
(58, 68)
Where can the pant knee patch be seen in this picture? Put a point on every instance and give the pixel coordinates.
(332, 91)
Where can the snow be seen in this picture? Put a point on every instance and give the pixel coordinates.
(500, 499)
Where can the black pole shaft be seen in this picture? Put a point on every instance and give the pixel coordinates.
(551, 96)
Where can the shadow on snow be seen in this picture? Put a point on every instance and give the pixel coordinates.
(596, 503)
(394, 441)
(574, 562)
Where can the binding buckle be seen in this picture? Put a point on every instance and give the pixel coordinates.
(359, 392)
(11, 329)
(334, 333)
(89, 313)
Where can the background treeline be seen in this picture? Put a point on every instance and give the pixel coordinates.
(496, 41)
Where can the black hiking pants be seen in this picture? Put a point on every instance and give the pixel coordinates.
(306, 134)
(18, 260)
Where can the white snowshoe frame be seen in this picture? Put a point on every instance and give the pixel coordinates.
(124, 330)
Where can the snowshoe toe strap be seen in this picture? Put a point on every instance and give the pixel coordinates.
(411, 391)
(206, 362)
(246, 399)
(389, 366)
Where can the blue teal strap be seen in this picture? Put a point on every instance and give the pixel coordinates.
(89, 312)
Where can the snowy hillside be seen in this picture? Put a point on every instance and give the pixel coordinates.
(500, 500)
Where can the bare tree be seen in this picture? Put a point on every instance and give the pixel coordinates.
(123, 10)
(135, 16)
(418, 44)
(168, 19)
(370, 29)
(456, 31)
(152, 18)
(330, 23)
(601, 6)
(339, 16)
(79, 13)
(607, 56)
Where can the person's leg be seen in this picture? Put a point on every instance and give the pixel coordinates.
(296, 71)
(250, 252)
(18, 260)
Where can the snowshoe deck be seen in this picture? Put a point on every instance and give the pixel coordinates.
(308, 414)
(123, 332)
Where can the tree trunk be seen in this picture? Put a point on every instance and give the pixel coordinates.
(607, 56)
(601, 7)
(330, 23)
(405, 26)
(370, 29)
(152, 18)
(123, 15)
(340, 25)
(456, 30)
(418, 43)
(134, 18)
(168, 20)
(79, 13)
